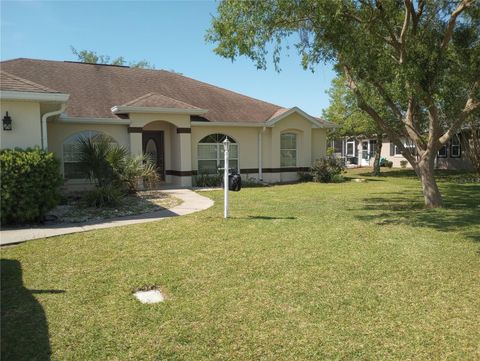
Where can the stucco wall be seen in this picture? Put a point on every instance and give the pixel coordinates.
(311, 144)
(58, 132)
(26, 131)
(246, 138)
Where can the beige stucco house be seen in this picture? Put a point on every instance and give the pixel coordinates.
(176, 119)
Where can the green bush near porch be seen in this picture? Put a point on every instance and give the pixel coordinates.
(30, 183)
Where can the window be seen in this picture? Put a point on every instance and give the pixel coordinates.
(288, 150)
(71, 154)
(350, 151)
(455, 148)
(407, 145)
(210, 153)
(442, 153)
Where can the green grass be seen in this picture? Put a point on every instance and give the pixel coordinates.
(300, 272)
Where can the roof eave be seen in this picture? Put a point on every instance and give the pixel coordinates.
(127, 109)
(33, 96)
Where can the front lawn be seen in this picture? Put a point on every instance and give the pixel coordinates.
(350, 271)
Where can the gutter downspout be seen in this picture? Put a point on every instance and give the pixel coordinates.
(260, 155)
(43, 124)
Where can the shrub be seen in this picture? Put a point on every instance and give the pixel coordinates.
(389, 164)
(250, 182)
(135, 169)
(30, 182)
(208, 180)
(338, 178)
(325, 169)
(403, 163)
(305, 177)
(103, 196)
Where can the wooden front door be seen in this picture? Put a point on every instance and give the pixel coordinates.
(154, 146)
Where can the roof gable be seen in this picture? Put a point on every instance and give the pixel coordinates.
(283, 113)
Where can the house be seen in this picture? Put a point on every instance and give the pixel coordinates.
(179, 121)
(360, 152)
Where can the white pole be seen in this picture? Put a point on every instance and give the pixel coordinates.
(225, 179)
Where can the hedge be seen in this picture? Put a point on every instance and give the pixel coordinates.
(30, 181)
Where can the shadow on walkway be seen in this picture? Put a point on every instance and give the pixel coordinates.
(24, 328)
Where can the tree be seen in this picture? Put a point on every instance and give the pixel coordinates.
(344, 111)
(91, 57)
(422, 58)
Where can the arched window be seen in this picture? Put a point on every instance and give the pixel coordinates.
(71, 168)
(210, 153)
(288, 150)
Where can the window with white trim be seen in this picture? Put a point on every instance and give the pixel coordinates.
(210, 154)
(71, 152)
(442, 153)
(455, 147)
(407, 145)
(350, 151)
(288, 150)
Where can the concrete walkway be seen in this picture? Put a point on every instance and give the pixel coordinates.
(192, 202)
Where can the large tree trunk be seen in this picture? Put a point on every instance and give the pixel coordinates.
(378, 154)
(431, 193)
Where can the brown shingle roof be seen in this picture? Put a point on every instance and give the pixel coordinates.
(158, 100)
(95, 89)
(14, 83)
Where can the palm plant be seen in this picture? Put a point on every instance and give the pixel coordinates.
(112, 169)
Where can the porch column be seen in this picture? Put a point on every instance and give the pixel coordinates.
(184, 144)
(135, 137)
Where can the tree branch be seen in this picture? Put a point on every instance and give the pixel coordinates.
(470, 106)
(403, 34)
(411, 129)
(362, 104)
(452, 21)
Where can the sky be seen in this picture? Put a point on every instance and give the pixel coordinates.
(168, 34)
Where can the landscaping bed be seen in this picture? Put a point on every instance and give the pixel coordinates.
(73, 209)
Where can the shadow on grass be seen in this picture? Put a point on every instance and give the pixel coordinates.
(461, 212)
(440, 174)
(268, 218)
(24, 328)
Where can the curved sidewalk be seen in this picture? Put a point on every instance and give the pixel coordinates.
(192, 202)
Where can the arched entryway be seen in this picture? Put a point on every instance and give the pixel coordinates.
(153, 144)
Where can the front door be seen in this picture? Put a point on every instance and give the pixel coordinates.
(365, 153)
(154, 146)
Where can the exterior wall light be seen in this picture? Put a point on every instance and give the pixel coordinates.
(7, 122)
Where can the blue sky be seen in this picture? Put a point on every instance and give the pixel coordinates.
(168, 34)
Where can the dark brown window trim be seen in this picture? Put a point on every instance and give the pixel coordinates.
(184, 130)
(188, 173)
(135, 129)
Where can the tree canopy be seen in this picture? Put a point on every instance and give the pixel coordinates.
(88, 56)
(421, 58)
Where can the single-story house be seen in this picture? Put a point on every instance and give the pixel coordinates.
(360, 152)
(179, 121)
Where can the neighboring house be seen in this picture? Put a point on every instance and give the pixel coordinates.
(360, 152)
(179, 121)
